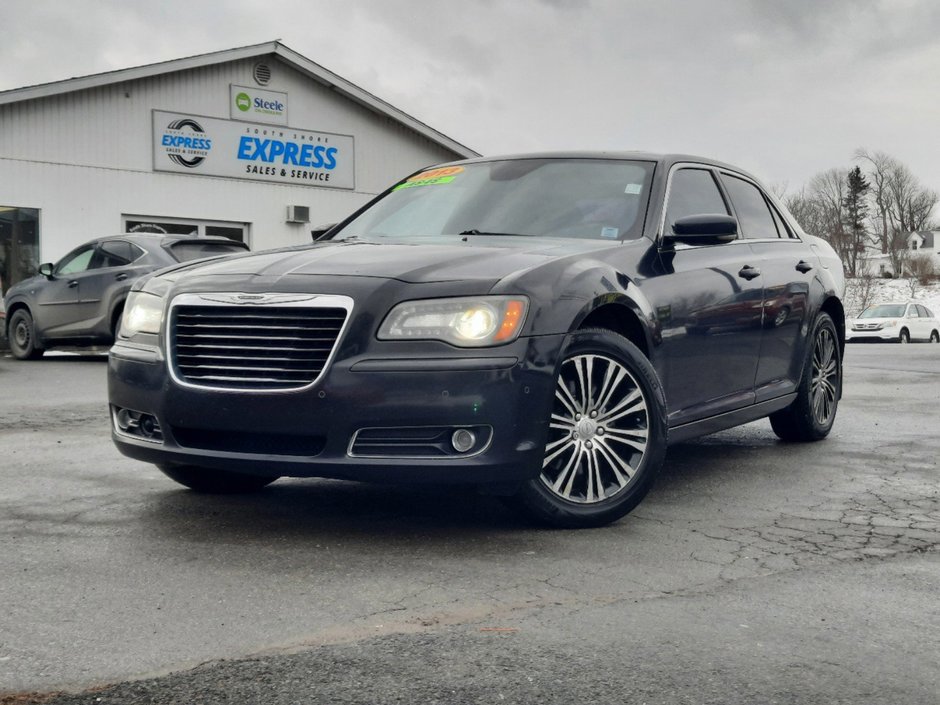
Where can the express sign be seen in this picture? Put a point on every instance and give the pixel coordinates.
(191, 144)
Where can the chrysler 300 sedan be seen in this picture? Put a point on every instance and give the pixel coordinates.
(539, 325)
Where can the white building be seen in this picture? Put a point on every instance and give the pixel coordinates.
(236, 142)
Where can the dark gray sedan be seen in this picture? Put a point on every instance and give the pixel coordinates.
(78, 301)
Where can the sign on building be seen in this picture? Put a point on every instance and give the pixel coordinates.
(192, 144)
(257, 104)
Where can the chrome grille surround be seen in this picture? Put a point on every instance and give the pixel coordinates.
(273, 350)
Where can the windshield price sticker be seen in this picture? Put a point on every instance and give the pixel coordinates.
(443, 175)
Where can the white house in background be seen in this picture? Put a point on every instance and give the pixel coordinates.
(926, 242)
(922, 242)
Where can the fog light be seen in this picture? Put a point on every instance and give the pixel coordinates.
(147, 425)
(125, 420)
(463, 440)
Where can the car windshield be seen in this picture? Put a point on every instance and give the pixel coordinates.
(884, 311)
(601, 199)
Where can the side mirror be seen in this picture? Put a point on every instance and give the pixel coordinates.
(704, 229)
(46, 270)
(320, 230)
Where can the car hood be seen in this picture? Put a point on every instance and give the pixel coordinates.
(875, 320)
(477, 258)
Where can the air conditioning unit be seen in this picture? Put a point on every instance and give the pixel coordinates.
(298, 214)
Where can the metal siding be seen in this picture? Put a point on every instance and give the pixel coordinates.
(84, 158)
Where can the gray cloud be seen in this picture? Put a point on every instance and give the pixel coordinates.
(783, 88)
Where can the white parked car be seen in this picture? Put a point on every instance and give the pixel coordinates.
(898, 323)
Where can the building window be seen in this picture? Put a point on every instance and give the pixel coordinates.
(19, 244)
(185, 226)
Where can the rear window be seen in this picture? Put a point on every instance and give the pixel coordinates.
(188, 250)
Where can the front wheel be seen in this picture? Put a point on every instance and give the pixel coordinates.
(23, 343)
(212, 481)
(812, 413)
(905, 337)
(607, 434)
(934, 337)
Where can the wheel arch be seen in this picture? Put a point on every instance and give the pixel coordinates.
(14, 307)
(836, 312)
(618, 317)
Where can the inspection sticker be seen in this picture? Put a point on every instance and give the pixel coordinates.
(610, 233)
(444, 175)
(633, 189)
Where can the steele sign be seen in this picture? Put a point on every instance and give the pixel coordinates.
(257, 105)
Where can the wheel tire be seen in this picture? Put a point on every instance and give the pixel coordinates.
(934, 337)
(212, 481)
(812, 413)
(905, 337)
(23, 336)
(598, 468)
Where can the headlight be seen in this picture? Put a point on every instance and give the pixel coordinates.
(143, 313)
(888, 324)
(465, 322)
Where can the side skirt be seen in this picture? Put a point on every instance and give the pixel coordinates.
(677, 434)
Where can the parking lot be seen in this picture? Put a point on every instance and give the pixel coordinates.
(755, 571)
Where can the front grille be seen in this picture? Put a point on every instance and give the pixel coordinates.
(250, 347)
(249, 442)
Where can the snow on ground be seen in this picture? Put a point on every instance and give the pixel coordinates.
(891, 291)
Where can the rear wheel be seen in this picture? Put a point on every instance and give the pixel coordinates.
(23, 336)
(212, 481)
(812, 413)
(905, 337)
(607, 434)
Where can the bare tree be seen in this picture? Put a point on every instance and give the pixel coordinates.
(880, 165)
(920, 267)
(859, 293)
(909, 207)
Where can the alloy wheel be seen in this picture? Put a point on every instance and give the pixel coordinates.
(599, 430)
(824, 390)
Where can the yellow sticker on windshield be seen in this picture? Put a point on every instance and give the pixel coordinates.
(444, 175)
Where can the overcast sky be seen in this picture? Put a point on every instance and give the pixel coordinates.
(784, 88)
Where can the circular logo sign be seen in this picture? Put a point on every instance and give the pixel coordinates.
(186, 143)
(243, 102)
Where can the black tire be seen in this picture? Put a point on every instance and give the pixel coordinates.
(905, 337)
(212, 481)
(934, 337)
(812, 413)
(586, 478)
(23, 336)
(116, 323)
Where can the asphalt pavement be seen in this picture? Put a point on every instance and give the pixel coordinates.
(754, 572)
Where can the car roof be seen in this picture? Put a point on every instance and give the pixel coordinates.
(161, 238)
(661, 158)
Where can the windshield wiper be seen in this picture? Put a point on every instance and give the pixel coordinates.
(474, 231)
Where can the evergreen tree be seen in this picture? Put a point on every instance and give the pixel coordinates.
(855, 208)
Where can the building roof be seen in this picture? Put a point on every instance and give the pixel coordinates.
(275, 48)
(928, 238)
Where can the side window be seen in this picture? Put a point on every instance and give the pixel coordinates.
(76, 261)
(693, 192)
(781, 224)
(925, 312)
(912, 311)
(114, 253)
(754, 218)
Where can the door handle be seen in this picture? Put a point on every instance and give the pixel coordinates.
(748, 272)
(123, 275)
(803, 266)
(73, 283)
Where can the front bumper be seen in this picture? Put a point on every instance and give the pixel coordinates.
(308, 433)
(884, 335)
